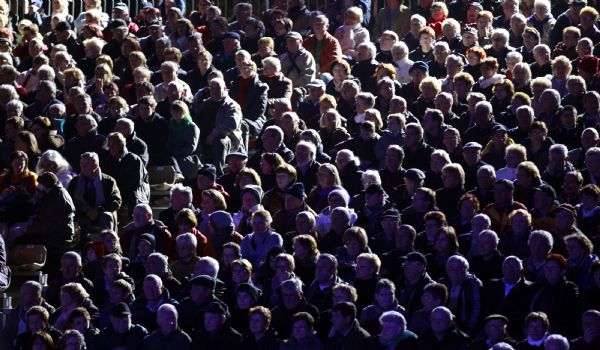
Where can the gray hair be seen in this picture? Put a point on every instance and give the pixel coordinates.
(212, 264)
(543, 234)
(373, 174)
(421, 19)
(188, 238)
(458, 259)
(593, 151)
(370, 47)
(292, 284)
(128, 123)
(16, 104)
(486, 105)
(491, 234)
(273, 61)
(483, 217)
(346, 211)
(154, 278)
(277, 130)
(502, 346)
(73, 255)
(401, 46)
(514, 258)
(46, 69)
(558, 339)
(329, 257)
(393, 317)
(559, 148)
(169, 308)
(529, 111)
(312, 149)
(73, 333)
(321, 18)
(487, 168)
(182, 190)
(162, 258)
(542, 47)
(500, 32)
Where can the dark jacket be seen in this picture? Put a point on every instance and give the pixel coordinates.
(226, 338)
(269, 341)
(178, 339)
(153, 132)
(453, 340)
(560, 303)
(112, 195)
(255, 103)
(356, 339)
(281, 317)
(131, 176)
(140, 314)
(75, 147)
(108, 338)
(53, 220)
(514, 305)
(129, 237)
(468, 306)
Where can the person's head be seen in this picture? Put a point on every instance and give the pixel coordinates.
(367, 266)
(442, 320)
(72, 294)
(343, 314)
(556, 342)
(527, 174)
(42, 341)
(393, 325)
(489, 67)
(555, 268)
(72, 339)
(261, 221)
(579, 247)
(152, 287)
(457, 269)
(426, 38)
(540, 243)
(385, 291)
(70, 265)
(512, 269)
(499, 38)
(537, 324)
(434, 295)
(166, 319)
(260, 319)
(291, 293)
(326, 268)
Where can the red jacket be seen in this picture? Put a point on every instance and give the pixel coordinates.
(330, 50)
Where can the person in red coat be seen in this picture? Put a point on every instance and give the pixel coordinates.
(324, 47)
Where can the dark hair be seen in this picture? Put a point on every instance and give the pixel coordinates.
(346, 309)
(45, 337)
(438, 291)
(304, 316)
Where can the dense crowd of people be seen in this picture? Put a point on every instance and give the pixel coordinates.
(419, 175)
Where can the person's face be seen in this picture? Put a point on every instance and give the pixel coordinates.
(258, 323)
(574, 248)
(440, 322)
(511, 270)
(324, 271)
(442, 243)
(415, 25)
(244, 301)
(421, 202)
(301, 330)
(18, 165)
(587, 20)
(456, 273)
(81, 324)
(471, 155)
(152, 290)
(519, 224)
(426, 41)
(364, 269)
(228, 256)
(166, 321)
(121, 324)
(385, 298)
(535, 329)
(339, 321)
(485, 246)
(570, 184)
(450, 179)
(413, 270)
(178, 201)
(495, 330)
(293, 45)
(213, 321)
(111, 270)
(389, 224)
(583, 48)
(553, 272)
(239, 274)
(69, 268)
(291, 298)
(35, 323)
(259, 225)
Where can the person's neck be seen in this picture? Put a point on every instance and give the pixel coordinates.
(259, 335)
(320, 36)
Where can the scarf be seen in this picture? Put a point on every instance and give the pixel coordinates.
(485, 83)
(177, 131)
(80, 189)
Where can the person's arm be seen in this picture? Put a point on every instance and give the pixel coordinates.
(113, 201)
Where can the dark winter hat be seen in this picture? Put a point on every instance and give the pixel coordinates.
(119, 310)
(216, 308)
(232, 35)
(209, 171)
(390, 213)
(416, 257)
(62, 26)
(121, 6)
(204, 281)
(117, 23)
(568, 208)
(255, 190)
(374, 189)
(419, 65)
(296, 190)
(547, 189)
(148, 238)
(414, 174)
(250, 289)
(221, 219)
